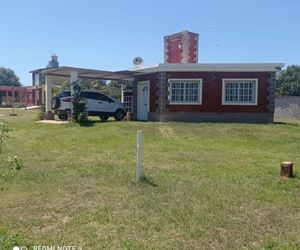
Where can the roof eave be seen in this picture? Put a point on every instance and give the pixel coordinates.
(236, 67)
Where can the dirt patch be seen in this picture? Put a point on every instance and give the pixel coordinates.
(166, 132)
(53, 122)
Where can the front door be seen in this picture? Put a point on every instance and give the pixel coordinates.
(143, 100)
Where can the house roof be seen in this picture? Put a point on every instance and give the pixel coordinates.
(128, 75)
(65, 71)
(37, 70)
(212, 67)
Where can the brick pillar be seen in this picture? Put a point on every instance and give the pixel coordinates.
(13, 97)
(162, 94)
(6, 97)
(271, 94)
(134, 99)
(181, 47)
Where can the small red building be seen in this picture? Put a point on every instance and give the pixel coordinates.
(17, 96)
(181, 91)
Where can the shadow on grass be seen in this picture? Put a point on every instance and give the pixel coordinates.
(294, 124)
(91, 123)
(147, 180)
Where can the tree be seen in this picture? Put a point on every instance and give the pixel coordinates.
(86, 84)
(288, 83)
(8, 77)
(110, 88)
(113, 88)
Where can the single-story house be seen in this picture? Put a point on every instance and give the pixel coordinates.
(205, 92)
(181, 89)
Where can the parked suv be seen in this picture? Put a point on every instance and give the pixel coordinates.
(97, 104)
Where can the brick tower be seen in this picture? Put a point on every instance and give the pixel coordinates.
(181, 47)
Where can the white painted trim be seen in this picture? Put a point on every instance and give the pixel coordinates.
(200, 93)
(148, 108)
(211, 67)
(239, 103)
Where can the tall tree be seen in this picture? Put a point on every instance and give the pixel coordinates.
(8, 77)
(288, 83)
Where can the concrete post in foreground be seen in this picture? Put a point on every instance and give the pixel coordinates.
(48, 94)
(139, 155)
(73, 78)
(286, 169)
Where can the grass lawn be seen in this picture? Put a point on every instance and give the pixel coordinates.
(209, 185)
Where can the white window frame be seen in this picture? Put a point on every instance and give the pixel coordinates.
(182, 80)
(240, 103)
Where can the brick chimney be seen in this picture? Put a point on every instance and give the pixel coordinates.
(181, 47)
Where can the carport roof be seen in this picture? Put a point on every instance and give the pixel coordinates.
(128, 75)
(65, 71)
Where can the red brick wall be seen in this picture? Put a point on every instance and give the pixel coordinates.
(174, 48)
(212, 92)
(181, 47)
(193, 48)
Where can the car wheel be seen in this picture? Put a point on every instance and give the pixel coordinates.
(55, 103)
(103, 118)
(63, 117)
(119, 115)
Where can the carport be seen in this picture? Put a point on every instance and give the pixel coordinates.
(57, 76)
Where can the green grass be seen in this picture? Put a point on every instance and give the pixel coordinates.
(207, 185)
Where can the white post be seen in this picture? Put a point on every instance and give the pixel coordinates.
(122, 92)
(73, 78)
(139, 155)
(48, 94)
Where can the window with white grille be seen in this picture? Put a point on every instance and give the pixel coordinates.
(128, 103)
(239, 92)
(185, 91)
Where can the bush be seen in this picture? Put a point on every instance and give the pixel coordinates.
(3, 134)
(79, 114)
(15, 163)
(42, 112)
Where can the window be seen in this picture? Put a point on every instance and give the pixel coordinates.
(86, 95)
(185, 91)
(64, 94)
(95, 96)
(128, 103)
(239, 92)
(103, 98)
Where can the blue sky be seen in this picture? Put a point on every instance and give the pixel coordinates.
(109, 34)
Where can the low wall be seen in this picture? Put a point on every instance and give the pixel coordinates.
(287, 107)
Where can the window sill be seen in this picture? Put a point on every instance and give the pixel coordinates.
(239, 104)
(185, 103)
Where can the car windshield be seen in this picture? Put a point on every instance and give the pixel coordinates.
(64, 94)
